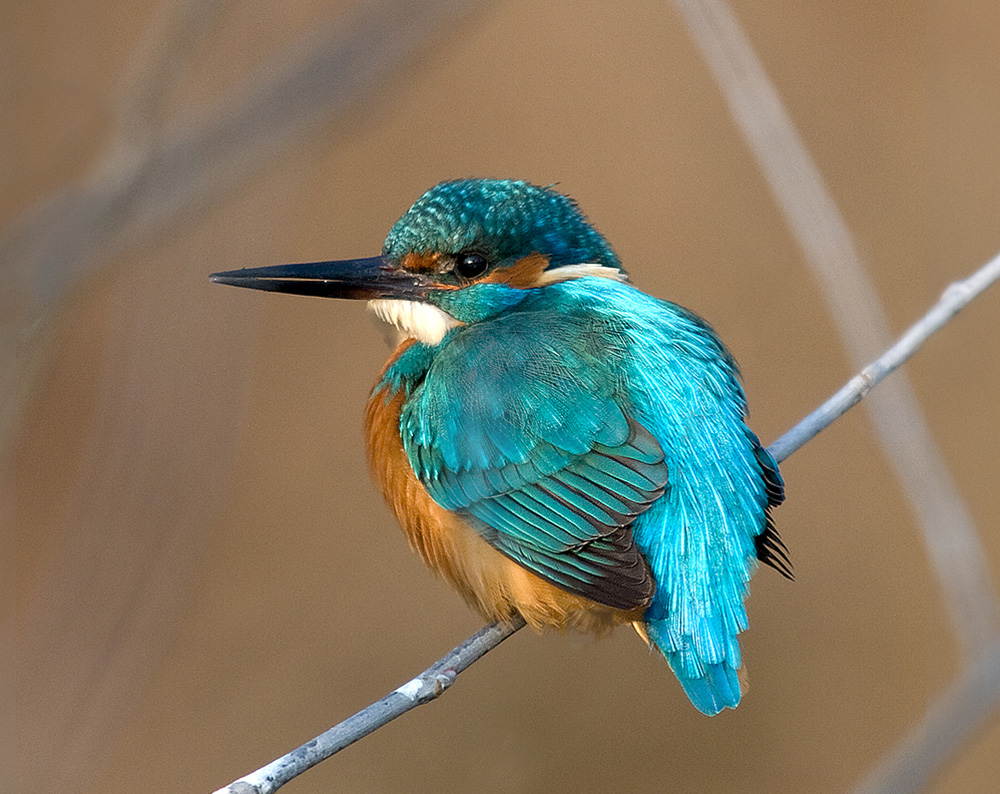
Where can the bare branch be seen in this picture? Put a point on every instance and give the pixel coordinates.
(438, 677)
(427, 686)
(952, 301)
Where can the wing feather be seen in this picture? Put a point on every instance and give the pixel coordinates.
(535, 448)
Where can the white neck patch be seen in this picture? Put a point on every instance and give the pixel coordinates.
(421, 321)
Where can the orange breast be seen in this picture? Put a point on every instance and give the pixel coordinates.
(489, 581)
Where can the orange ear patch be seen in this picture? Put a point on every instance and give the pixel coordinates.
(525, 273)
(422, 263)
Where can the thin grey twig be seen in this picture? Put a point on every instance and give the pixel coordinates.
(427, 686)
(952, 301)
(432, 682)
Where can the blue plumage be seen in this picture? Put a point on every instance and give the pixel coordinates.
(522, 421)
(590, 433)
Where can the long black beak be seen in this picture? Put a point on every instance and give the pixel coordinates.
(365, 279)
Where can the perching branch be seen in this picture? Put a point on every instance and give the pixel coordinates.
(432, 683)
(427, 686)
(951, 302)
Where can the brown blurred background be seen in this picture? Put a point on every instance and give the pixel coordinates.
(205, 577)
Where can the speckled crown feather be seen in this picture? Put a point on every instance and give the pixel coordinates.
(502, 218)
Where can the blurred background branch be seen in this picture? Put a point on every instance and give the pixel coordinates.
(191, 541)
(951, 723)
(951, 538)
(156, 172)
(953, 545)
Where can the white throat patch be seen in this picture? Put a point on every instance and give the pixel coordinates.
(421, 321)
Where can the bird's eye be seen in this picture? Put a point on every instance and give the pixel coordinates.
(470, 265)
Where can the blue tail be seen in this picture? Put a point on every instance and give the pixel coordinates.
(710, 686)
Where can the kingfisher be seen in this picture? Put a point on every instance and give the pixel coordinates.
(556, 443)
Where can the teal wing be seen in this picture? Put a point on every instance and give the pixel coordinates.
(519, 427)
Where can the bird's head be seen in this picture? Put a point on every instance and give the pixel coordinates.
(465, 251)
